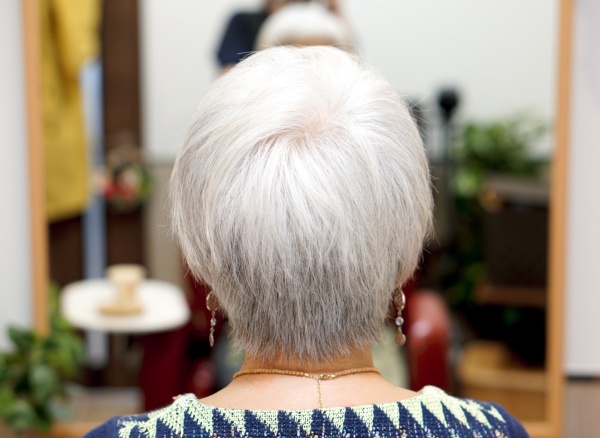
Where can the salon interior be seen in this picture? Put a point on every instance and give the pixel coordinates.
(96, 97)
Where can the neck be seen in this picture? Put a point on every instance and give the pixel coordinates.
(356, 359)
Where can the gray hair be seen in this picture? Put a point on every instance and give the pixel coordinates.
(301, 195)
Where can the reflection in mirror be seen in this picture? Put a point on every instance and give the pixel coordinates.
(481, 80)
(482, 83)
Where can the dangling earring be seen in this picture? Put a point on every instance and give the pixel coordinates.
(212, 306)
(399, 302)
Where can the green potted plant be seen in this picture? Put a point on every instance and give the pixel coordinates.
(483, 149)
(497, 148)
(35, 372)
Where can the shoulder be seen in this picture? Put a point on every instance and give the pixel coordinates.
(247, 18)
(441, 410)
(431, 413)
(184, 414)
(239, 36)
(244, 26)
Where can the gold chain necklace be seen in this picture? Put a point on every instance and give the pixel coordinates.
(316, 376)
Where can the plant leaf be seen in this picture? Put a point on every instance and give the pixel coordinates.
(44, 383)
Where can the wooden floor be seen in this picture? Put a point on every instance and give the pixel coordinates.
(91, 407)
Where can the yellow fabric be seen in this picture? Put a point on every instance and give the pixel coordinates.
(70, 37)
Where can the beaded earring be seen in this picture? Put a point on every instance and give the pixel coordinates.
(212, 306)
(399, 302)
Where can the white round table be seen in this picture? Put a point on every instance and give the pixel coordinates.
(163, 307)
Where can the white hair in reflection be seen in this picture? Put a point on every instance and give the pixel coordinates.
(301, 195)
(304, 23)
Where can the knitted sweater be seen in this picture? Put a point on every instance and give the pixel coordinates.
(432, 413)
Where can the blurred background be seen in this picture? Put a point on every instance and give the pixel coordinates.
(119, 82)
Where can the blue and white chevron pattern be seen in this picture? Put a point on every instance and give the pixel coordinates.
(431, 414)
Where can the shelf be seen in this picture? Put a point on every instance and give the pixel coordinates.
(489, 371)
(514, 296)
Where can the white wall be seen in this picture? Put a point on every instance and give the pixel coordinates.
(583, 242)
(15, 265)
(500, 53)
(178, 46)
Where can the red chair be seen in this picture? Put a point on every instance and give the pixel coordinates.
(178, 362)
(427, 330)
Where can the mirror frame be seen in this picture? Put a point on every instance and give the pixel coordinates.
(35, 157)
(553, 426)
(555, 373)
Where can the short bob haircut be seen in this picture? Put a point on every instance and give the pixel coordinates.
(301, 196)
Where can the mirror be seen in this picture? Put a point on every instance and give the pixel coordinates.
(500, 62)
